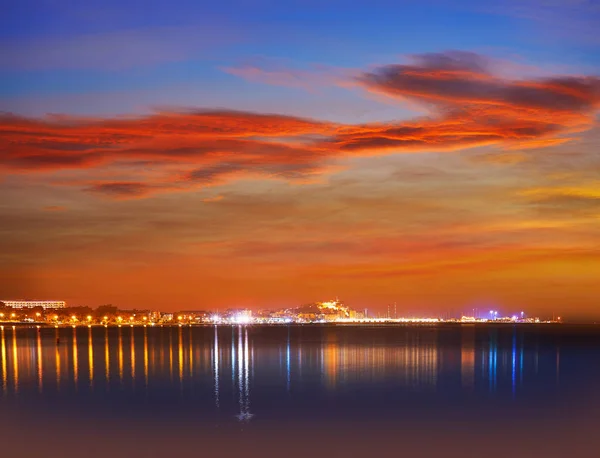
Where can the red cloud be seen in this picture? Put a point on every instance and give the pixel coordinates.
(469, 105)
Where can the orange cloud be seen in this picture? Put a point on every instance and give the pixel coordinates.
(469, 107)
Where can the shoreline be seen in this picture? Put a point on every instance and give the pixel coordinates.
(15, 324)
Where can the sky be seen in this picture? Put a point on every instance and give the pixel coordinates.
(185, 155)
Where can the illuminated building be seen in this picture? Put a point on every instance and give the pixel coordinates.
(166, 316)
(239, 316)
(33, 304)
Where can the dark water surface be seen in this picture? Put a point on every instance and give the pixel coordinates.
(445, 390)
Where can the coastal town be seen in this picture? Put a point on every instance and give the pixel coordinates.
(57, 313)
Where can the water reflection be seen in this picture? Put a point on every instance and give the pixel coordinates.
(227, 365)
(171, 353)
(288, 363)
(467, 358)
(243, 380)
(180, 354)
(39, 361)
(90, 357)
(15, 362)
(106, 357)
(132, 358)
(57, 361)
(145, 358)
(514, 362)
(4, 370)
(120, 356)
(492, 361)
(216, 364)
(414, 363)
(190, 354)
(75, 360)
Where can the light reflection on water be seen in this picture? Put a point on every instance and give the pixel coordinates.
(244, 370)
(31, 357)
(342, 385)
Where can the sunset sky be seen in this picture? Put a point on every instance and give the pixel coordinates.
(191, 155)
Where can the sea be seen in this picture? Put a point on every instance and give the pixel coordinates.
(435, 390)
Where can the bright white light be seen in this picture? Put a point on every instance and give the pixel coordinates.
(241, 318)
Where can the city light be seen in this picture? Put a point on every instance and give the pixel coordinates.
(34, 304)
(242, 318)
(331, 311)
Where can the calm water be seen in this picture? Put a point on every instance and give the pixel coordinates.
(301, 391)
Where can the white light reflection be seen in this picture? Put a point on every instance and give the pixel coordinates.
(216, 366)
(232, 355)
(288, 369)
(243, 375)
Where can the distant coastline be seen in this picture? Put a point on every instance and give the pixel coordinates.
(9, 324)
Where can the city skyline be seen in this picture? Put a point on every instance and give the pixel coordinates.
(275, 154)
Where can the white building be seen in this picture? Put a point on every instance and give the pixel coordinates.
(33, 304)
